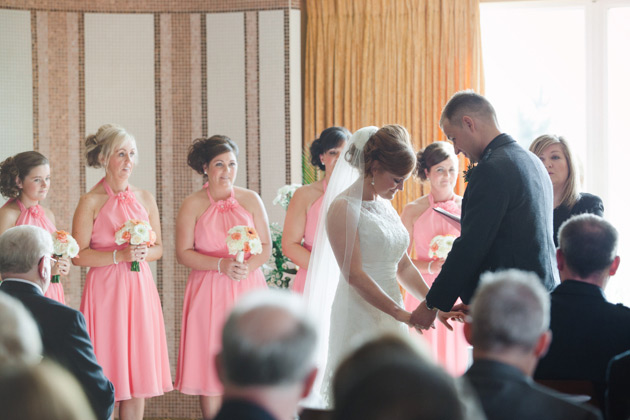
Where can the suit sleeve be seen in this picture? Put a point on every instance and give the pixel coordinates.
(81, 361)
(487, 200)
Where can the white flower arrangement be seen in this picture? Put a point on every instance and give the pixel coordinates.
(285, 193)
(440, 246)
(135, 232)
(64, 246)
(242, 239)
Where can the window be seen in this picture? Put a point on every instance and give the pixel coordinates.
(562, 67)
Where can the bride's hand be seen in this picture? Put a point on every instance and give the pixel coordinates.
(444, 317)
(403, 316)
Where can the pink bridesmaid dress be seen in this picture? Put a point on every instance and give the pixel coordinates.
(208, 299)
(310, 229)
(36, 216)
(449, 348)
(122, 309)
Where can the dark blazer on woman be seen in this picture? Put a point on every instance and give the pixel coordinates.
(586, 203)
(507, 222)
(66, 341)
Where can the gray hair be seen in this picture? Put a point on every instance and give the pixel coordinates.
(21, 248)
(268, 340)
(20, 342)
(509, 309)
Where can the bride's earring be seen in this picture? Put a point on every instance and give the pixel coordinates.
(372, 180)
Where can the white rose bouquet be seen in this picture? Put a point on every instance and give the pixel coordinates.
(242, 239)
(64, 246)
(135, 232)
(440, 246)
(285, 194)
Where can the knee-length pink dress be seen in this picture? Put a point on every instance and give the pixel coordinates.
(122, 309)
(36, 216)
(310, 229)
(449, 348)
(208, 299)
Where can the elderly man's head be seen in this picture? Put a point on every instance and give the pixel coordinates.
(267, 341)
(25, 253)
(510, 310)
(20, 342)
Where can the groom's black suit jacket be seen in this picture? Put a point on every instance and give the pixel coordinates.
(507, 222)
(66, 341)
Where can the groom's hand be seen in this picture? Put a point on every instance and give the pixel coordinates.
(422, 318)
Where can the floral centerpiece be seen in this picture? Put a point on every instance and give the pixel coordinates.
(242, 239)
(135, 232)
(64, 246)
(440, 246)
(285, 194)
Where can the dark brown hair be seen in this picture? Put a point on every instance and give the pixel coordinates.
(391, 147)
(203, 150)
(432, 155)
(18, 166)
(328, 139)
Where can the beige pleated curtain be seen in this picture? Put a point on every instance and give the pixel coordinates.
(376, 62)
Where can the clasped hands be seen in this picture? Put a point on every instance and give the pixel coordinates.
(423, 318)
(233, 269)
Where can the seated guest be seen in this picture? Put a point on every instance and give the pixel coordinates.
(509, 331)
(20, 342)
(587, 329)
(618, 387)
(387, 379)
(25, 268)
(556, 155)
(44, 392)
(266, 363)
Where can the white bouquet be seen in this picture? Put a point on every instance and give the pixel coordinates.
(285, 194)
(135, 232)
(440, 246)
(64, 246)
(242, 239)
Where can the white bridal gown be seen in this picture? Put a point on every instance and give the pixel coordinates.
(383, 240)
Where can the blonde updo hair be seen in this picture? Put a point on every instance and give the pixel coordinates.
(572, 184)
(431, 155)
(18, 166)
(390, 146)
(101, 146)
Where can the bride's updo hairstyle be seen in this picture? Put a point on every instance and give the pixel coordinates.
(18, 166)
(328, 139)
(390, 146)
(203, 150)
(432, 155)
(101, 146)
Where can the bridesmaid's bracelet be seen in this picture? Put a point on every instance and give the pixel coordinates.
(429, 267)
(114, 256)
(219, 266)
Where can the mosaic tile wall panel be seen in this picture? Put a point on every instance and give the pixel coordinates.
(169, 72)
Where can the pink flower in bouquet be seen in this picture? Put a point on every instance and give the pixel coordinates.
(242, 239)
(64, 246)
(440, 246)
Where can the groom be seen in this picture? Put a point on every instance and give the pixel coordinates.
(507, 210)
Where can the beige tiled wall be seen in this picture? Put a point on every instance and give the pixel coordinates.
(168, 71)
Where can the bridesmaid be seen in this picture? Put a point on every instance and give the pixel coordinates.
(438, 164)
(25, 180)
(121, 307)
(300, 223)
(216, 279)
(555, 154)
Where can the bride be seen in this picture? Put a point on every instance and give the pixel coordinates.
(365, 237)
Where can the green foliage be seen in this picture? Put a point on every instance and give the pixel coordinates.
(275, 276)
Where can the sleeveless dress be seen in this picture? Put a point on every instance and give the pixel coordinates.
(122, 309)
(310, 229)
(208, 299)
(449, 348)
(36, 216)
(383, 240)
